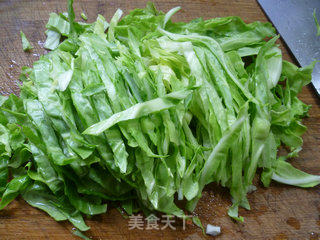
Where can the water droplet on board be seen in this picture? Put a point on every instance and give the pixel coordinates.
(314, 236)
(9, 75)
(40, 43)
(14, 62)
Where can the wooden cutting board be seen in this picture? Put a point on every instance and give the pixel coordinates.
(279, 212)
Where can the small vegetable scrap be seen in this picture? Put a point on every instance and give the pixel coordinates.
(84, 16)
(213, 230)
(141, 109)
(26, 46)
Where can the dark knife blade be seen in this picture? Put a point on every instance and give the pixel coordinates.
(294, 21)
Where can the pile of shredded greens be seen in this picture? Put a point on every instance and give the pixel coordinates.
(145, 112)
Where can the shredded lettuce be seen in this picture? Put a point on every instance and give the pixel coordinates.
(53, 39)
(145, 110)
(84, 16)
(26, 46)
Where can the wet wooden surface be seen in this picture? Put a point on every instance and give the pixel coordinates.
(279, 212)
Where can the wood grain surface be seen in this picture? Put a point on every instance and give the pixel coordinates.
(278, 212)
